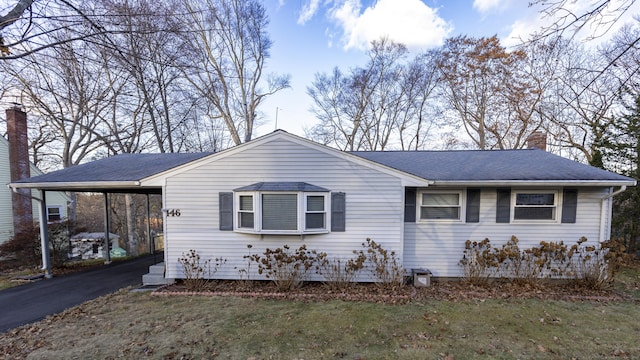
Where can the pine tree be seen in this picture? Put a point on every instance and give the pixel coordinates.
(620, 149)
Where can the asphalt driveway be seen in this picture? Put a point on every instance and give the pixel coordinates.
(32, 302)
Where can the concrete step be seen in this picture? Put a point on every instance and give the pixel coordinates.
(156, 276)
(157, 268)
(155, 279)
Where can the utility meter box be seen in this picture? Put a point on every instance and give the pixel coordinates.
(421, 277)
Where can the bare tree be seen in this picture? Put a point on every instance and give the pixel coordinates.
(378, 106)
(225, 63)
(493, 100)
(595, 21)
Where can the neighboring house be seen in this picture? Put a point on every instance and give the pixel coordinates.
(283, 189)
(56, 201)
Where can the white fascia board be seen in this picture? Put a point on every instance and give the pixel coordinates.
(406, 178)
(67, 186)
(596, 183)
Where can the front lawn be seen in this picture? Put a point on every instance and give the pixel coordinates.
(135, 325)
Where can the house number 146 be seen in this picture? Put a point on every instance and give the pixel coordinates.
(173, 212)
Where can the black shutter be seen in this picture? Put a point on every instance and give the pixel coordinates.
(410, 205)
(569, 205)
(473, 205)
(226, 211)
(338, 211)
(503, 205)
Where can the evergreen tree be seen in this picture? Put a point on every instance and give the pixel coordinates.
(620, 149)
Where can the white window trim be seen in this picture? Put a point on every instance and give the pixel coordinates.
(461, 205)
(557, 204)
(301, 213)
(59, 213)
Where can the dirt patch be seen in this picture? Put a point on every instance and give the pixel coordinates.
(446, 290)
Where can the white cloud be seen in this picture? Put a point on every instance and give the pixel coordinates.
(486, 6)
(308, 11)
(410, 22)
(534, 22)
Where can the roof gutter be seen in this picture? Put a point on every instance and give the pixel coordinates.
(64, 186)
(530, 183)
(605, 214)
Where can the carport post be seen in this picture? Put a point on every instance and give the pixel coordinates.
(44, 236)
(106, 229)
(152, 247)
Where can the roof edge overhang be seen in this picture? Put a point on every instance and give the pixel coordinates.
(582, 183)
(407, 179)
(99, 186)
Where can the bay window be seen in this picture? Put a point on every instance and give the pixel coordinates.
(282, 208)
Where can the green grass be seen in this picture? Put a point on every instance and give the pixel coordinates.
(134, 325)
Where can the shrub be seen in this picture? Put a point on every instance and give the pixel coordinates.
(590, 266)
(340, 273)
(595, 267)
(25, 246)
(385, 266)
(478, 261)
(287, 269)
(195, 269)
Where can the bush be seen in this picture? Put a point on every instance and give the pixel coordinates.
(338, 273)
(195, 270)
(385, 266)
(285, 268)
(595, 267)
(589, 266)
(25, 246)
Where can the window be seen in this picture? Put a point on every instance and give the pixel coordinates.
(54, 213)
(245, 212)
(535, 206)
(282, 208)
(315, 215)
(440, 205)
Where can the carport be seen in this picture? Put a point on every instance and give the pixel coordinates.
(124, 173)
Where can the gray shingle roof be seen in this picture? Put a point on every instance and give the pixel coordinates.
(490, 165)
(282, 186)
(123, 167)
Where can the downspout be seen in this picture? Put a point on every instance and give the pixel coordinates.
(44, 231)
(605, 221)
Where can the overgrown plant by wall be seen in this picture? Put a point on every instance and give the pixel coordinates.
(384, 265)
(590, 266)
(195, 268)
(339, 273)
(286, 268)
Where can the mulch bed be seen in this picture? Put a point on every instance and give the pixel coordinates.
(443, 291)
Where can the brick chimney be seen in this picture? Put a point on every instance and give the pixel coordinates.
(19, 167)
(537, 140)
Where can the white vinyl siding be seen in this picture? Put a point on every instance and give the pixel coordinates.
(374, 205)
(57, 199)
(439, 247)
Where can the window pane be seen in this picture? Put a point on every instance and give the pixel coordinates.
(440, 199)
(534, 213)
(315, 221)
(315, 203)
(439, 213)
(246, 202)
(279, 212)
(535, 199)
(246, 220)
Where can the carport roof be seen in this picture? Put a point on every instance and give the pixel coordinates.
(116, 173)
